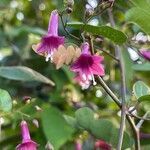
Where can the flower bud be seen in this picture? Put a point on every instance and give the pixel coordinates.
(49, 146)
(69, 3)
(27, 143)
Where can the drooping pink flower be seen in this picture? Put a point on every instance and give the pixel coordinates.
(87, 65)
(27, 143)
(145, 54)
(100, 144)
(51, 41)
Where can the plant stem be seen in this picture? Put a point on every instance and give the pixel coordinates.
(123, 89)
(64, 26)
(109, 92)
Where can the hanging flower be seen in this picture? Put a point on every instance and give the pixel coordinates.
(145, 54)
(100, 144)
(87, 65)
(51, 41)
(27, 143)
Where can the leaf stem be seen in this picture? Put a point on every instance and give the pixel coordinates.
(64, 27)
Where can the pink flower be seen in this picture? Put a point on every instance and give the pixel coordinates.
(100, 144)
(87, 65)
(145, 54)
(51, 41)
(27, 143)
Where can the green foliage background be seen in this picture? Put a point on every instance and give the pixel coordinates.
(59, 123)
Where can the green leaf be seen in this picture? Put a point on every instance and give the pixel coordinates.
(84, 117)
(98, 129)
(71, 121)
(114, 35)
(23, 73)
(144, 98)
(142, 67)
(55, 128)
(127, 141)
(5, 101)
(140, 14)
(140, 89)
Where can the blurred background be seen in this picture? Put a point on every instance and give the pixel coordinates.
(22, 23)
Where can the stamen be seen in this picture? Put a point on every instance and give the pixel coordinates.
(94, 82)
(47, 57)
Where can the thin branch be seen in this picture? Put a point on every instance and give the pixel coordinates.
(123, 89)
(138, 117)
(109, 54)
(135, 132)
(110, 93)
(64, 26)
(142, 120)
(98, 13)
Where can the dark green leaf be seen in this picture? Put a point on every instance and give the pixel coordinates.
(22, 73)
(115, 35)
(55, 128)
(5, 101)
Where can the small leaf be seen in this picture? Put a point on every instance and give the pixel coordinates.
(115, 35)
(145, 98)
(85, 117)
(5, 101)
(140, 89)
(55, 128)
(142, 67)
(22, 73)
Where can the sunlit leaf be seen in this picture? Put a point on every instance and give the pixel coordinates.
(140, 89)
(23, 73)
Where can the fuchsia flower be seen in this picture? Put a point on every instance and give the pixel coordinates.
(27, 143)
(145, 54)
(51, 41)
(87, 65)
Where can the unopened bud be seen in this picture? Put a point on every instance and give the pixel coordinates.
(89, 12)
(14, 102)
(69, 3)
(69, 10)
(49, 146)
(35, 122)
(38, 108)
(27, 99)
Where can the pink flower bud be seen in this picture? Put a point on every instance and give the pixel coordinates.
(27, 143)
